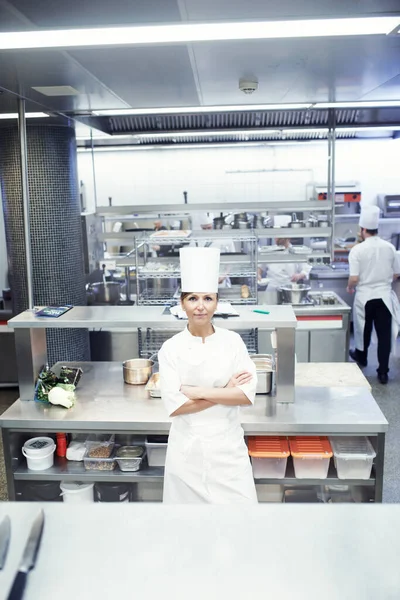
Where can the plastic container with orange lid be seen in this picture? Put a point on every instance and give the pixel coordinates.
(269, 456)
(311, 456)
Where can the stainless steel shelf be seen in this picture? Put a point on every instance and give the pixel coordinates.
(75, 471)
(67, 470)
(290, 258)
(302, 232)
(165, 209)
(177, 274)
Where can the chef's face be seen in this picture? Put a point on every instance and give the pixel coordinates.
(199, 307)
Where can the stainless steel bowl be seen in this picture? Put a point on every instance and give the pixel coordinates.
(264, 367)
(293, 293)
(137, 371)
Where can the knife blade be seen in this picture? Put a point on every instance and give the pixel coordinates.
(28, 558)
(5, 535)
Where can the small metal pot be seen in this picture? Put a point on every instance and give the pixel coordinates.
(295, 223)
(137, 371)
(293, 293)
(104, 293)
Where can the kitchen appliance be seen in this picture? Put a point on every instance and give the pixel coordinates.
(28, 558)
(390, 205)
(104, 292)
(347, 197)
(137, 371)
(293, 293)
(295, 223)
(221, 221)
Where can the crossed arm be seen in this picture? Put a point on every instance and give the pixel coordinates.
(201, 398)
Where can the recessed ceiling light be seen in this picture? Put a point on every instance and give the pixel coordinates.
(56, 90)
(32, 115)
(197, 32)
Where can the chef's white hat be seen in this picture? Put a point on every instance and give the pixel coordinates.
(206, 219)
(199, 269)
(369, 217)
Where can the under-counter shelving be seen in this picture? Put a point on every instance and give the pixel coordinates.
(66, 470)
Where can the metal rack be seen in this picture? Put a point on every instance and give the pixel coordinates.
(150, 340)
(242, 266)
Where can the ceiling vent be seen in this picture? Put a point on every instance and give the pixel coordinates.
(56, 90)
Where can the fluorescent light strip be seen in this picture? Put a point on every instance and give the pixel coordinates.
(32, 115)
(215, 133)
(361, 104)
(174, 110)
(200, 32)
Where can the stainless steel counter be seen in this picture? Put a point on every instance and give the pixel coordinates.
(90, 317)
(335, 551)
(30, 334)
(105, 402)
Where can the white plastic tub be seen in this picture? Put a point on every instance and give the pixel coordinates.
(39, 453)
(353, 456)
(311, 468)
(269, 468)
(156, 453)
(74, 492)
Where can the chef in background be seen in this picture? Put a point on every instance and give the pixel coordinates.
(373, 265)
(160, 249)
(290, 272)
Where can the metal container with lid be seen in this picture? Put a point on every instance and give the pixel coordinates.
(264, 366)
(129, 458)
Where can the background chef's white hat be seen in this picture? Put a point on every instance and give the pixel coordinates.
(369, 217)
(206, 219)
(199, 269)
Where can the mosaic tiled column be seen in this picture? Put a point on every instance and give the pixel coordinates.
(55, 227)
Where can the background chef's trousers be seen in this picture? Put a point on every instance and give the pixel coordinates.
(377, 314)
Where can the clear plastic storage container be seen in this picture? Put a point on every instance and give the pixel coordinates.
(269, 456)
(156, 448)
(353, 457)
(311, 456)
(99, 445)
(99, 463)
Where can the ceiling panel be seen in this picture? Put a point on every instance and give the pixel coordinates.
(9, 21)
(144, 76)
(275, 9)
(301, 70)
(86, 13)
(22, 70)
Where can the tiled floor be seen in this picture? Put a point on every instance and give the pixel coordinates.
(387, 396)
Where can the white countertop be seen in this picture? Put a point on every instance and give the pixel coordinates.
(152, 316)
(330, 375)
(151, 552)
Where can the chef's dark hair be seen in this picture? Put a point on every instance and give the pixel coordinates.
(186, 294)
(371, 231)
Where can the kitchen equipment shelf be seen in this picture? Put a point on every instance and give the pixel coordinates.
(73, 471)
(313, 257)
(150, 340)
(241, 265)
(302, 232)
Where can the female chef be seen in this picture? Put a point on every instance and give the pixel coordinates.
(206, 374)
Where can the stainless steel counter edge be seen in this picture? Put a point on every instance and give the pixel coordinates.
(315, 411)
(151, 316)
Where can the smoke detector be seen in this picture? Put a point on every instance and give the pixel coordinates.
(248, 86)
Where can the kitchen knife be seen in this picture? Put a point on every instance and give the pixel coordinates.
(28, 558)
(5, 534)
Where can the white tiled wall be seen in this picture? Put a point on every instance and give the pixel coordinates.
(237, 174)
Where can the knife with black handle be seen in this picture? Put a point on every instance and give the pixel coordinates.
(28, 558)
(5, 534)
